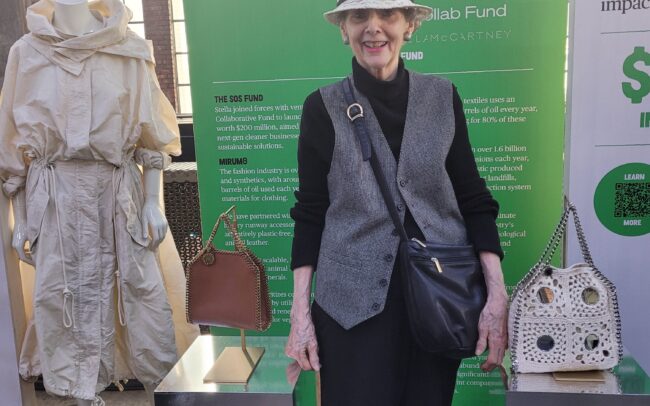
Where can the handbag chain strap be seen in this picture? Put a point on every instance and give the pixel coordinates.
(355, 114)
(232, 227)
(558, 236)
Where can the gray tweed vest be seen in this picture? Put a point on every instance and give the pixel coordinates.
(359, 244)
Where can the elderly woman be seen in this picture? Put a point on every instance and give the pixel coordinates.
(356, 332)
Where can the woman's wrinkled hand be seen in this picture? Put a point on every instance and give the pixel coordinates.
(302, 345)
(493, 331)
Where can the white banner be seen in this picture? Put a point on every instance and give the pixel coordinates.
(608, 152)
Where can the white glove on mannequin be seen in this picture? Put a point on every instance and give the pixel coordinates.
(154, 223)
(20, 226)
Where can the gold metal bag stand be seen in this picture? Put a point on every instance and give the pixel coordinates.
(235, 365)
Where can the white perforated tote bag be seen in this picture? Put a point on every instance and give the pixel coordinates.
(564, 319)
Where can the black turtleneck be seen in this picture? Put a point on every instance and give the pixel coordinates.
(388, 100)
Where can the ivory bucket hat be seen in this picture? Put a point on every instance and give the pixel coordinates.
(422, 12)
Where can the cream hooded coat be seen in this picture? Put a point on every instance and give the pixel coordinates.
(77, 115)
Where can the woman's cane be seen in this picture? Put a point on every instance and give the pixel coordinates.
(318, 389)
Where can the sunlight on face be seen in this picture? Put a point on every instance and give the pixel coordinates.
(376, 38)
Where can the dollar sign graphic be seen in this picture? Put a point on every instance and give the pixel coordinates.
(636, 95)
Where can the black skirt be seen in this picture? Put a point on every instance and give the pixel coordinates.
(377, 362)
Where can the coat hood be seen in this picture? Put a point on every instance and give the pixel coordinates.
(70, 52)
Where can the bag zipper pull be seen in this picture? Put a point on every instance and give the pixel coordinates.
(437, 264)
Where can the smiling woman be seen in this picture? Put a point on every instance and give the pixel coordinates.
(376, 38)
(358, 324)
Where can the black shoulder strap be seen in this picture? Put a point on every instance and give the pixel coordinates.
(355, 114)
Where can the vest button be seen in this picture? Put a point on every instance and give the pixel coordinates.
(375, 306)
(400, 207)
(388, 257)
(402, 182)
(383, 283)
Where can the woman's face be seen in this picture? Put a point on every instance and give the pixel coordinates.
(376, 37)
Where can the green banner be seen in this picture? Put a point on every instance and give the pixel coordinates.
(252, 63)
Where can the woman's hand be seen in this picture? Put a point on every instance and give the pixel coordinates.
(493, 331)
(301, 344)
(493, 323)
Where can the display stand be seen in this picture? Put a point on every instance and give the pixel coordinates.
(12, 310)
(235, 364)
(12, 317)
(626, 385)
(266, 386)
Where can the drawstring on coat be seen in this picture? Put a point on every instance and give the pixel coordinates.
(118, 278)
(68, 296)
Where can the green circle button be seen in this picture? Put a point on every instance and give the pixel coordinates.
(622, 200)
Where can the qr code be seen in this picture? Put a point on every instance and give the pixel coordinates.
(632, 200)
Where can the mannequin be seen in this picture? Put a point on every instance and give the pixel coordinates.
(153, 218)
(73, 17)
(59, 162)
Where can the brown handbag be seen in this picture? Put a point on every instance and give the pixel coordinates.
(228, 288)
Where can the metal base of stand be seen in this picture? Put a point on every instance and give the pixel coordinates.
(267, 386)
(234, 365)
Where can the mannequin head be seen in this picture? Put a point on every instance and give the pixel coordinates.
(70, 2)
(74, 17)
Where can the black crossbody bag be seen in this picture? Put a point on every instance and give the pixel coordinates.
(444, 286)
